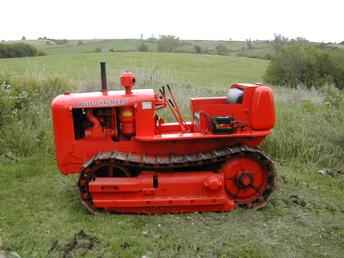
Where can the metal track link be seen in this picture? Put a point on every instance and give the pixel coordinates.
(171, 162)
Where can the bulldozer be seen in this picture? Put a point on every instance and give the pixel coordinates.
(129, 160)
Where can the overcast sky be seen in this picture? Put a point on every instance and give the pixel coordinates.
(188, 19)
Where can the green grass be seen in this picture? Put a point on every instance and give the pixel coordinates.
(259, 48)
(200, 70)
(41, 215)
(40, 212)
(88, 46)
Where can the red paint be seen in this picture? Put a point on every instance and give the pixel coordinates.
(164, 139)
(125, 121)
(246, 173)
(127, 81)
(197, 191)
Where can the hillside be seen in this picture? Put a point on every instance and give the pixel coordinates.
(199, 70)
(258, 48)
(262, 49)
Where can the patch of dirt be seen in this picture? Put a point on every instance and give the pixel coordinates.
(293, 200)
(284, 179)
(296, 200)
(78, 246)
(125, 245)
(331, 172)
(5, 254)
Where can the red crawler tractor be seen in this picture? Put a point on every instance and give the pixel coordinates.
(131, 161)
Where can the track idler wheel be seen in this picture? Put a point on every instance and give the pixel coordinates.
(97, 169)
(249, 179)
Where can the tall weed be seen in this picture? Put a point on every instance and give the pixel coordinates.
(310, 131)
(25, 126)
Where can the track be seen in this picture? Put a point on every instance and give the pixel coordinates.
(119, 164)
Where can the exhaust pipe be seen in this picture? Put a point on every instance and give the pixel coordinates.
(103, 76)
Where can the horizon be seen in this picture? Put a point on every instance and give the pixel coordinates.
(157, 37)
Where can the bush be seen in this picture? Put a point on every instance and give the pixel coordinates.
(302, 64)
(249, 44)
(279, 41)
(25, 126)
(143, 47)
(168, 43)
(7, 103)
(58, 41)
(221, 50)
(197, 49)
(336, 67)
(152, 39)
(310, 132)
(18, 50)
(98, 50)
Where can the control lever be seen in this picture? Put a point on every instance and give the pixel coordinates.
(174, 108)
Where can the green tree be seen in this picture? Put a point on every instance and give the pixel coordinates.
(168, 43)
(249, 44)
(279, 41)
(221, 50)
(336, 67)
(303, 64)
(197, 49)
(18, 50)
(143, 47)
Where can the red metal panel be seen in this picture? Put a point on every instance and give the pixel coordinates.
(150, 139)
(103, 99)
(262, 115)
(145, 122)
(176, 192)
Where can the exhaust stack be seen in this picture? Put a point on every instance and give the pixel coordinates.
(103, 76)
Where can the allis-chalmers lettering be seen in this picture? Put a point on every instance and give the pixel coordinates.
(103, 103)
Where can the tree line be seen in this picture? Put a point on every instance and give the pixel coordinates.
(18, 50)
(299, 62)
(171, 43)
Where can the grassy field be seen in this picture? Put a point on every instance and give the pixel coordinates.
(207, 71)
(41, 216)
(40, 213)
(83, 46)
(89, 46)
(258, 49)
